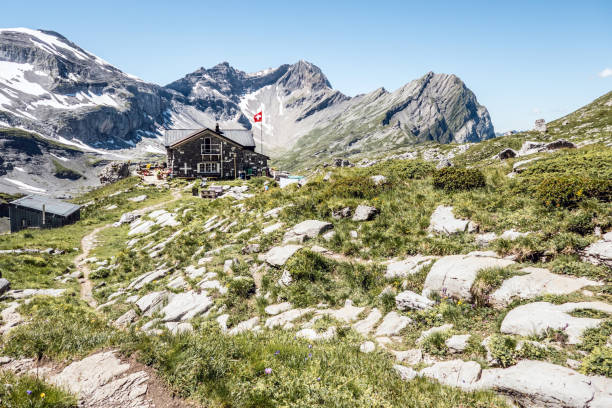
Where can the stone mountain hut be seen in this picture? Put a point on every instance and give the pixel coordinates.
(36, 211)
(217, 154)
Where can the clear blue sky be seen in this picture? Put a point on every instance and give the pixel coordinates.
(523, 59)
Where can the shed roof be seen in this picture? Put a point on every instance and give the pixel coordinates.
(52, 206)
(242, 137)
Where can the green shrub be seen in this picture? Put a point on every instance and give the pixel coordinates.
(64, 172)
(502, 349)
(458, 178)
(434, 344)
(242, 287)
(599, 362)
(596, 336)
(355, 186)
(532, 351)
(568, 190)
(581, 222)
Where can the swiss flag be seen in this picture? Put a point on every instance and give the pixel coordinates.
(258, 117)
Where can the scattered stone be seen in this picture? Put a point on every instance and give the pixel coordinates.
(455, 373)
(600, 252)
(251, 249)
(146, 278)
(408, 266)
(329, 235)
(127, 218)
(271, 228)
(364, 213)
(443, 221)
(285, 279)
(286, 317)
(244, 326)
(512, 235)
(408, 300)
(392, 324)
(410, 357)
(405, 373)
(367, 347)
(195, 273)
(379, 179)
(185, 306)
(277, 308)
(313, 335)
(537, 282)
(26, 293)
(348, 313)
(535, 318)
(138, 198)
(10, 317)
(179, 328)
(454, 275)
(366, 325)
(151, 302)
(5, 286)
(485, 239)
(126, 319)
(278, 256)
(177, 283)
(227, 265)
(507, 154)
(457, 343)
(306, 230)
(222, 320)
(341, 213)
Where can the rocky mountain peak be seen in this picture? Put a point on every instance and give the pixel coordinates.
(303, 74)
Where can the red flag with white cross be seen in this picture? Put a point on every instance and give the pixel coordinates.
(258, 117)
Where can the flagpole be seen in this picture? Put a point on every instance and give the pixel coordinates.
(261, 133)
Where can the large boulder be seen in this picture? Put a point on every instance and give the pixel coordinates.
(537, 282)
(541, 384)
(443, 221)
(278, 256)
(348, 313)
(536, 318)
(454, 275)
(600, 252)
(113, 172)
(306, 230)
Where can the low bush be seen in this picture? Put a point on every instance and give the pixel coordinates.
(568, 190)
(242, 287)
(599, 362)
(503, 349)
(458, 178)
(435, 343)
(581, 222)
(596, 336)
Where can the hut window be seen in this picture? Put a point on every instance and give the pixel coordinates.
(208, 167)
(206, 147)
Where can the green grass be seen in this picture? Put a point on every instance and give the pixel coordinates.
(231, 371)
(29, 391)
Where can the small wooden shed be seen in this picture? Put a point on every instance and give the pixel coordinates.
(35, 211)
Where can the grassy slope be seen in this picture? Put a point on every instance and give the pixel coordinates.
(229, 371)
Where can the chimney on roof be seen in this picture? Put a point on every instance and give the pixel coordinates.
(217, 128)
